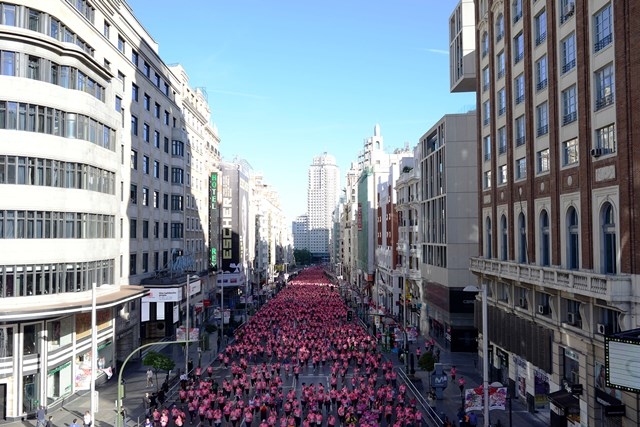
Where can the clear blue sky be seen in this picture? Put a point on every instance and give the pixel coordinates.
(288, 80)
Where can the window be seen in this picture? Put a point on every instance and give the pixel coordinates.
(133, 260)
(8, 16)
(118, 104)
(545, 239)
(177, 176)
(145, 262)
(106, 29)
(177, 148)
(156, 111)
(165, 202)
(157, 79)
(134, 194)
(146, 132)
(570, 152)
(502, 102)
(166, 173)
(517, 10)
(540, 27)
(500, 64)
(166, 117)
(486, 109)
(156, 230)
(33, 67)
(519, 89)
(134, 125)
(502, 140)
(147, 101)
(520, 130)
(133, 228)
(487, 147)
(606, 139)
(569, 105)
(603, 28)
(567, 9)
(502, 174)
(177, 230)
(156, 169)
(503, 238)
(134, 160)
(541, 73)
(488, 240)
(568, 52)
(134, 57)
(156, 199)
(145, 165)
(518, 48)
(522, 239)
(145, 229)
(134, 92)
(605, 92)
(166, 145)
(542, 116)
(609, 241)
(121, 44)
(485, 44)
(487, 180)
(146, 69)
(145, 196)
(177, 202)
(543, 160)
(156, 139)
(573, 247)
(499, 27)
(485, 79)
(521, 168)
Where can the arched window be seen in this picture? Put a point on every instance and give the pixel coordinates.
(609, 241)
(487, 251)
(503, 238)
(544, 239)
(573, 246)
(485, 44)
(522, 239)
(499, 27)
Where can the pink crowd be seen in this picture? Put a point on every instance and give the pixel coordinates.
(301, 333)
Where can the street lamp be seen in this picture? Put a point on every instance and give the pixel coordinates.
(485, 349)
(186, 354)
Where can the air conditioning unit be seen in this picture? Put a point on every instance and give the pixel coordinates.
(571, 318)
(569, 8)
(597, 152)
(543, 309)
(602, 328)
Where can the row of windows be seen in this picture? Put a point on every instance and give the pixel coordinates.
(135, 59)
(41, 119)
(35, 20)
(55, 225)
(47, 279)
(608, 239)
(17, 64)
(54, 173)
(602, 28)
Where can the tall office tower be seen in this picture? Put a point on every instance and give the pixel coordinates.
(323, 192)
(557, 135)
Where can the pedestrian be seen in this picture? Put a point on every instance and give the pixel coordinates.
(473, 419)
(86, 419)
(190, 365)
(41, 414)
(74, 423)
(49, 422)
(149, 378)
(453, 373)
(447, 422)
(461, 383)
(146, 403)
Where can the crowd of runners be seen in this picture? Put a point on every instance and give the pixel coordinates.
(302, 331)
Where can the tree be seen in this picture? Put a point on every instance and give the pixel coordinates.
(302, 256)
(158, 361)
(427, 362)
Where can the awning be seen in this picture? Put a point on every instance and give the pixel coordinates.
(566, 401)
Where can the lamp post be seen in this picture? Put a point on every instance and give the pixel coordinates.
(404, 316)
(485, 349)
(186, 351)
(94, 351)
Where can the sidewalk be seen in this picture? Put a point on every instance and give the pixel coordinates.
(135, 388)
(469, 367)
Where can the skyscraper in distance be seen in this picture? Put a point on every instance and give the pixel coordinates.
(323, 192)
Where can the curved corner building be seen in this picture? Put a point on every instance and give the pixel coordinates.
(67, 72)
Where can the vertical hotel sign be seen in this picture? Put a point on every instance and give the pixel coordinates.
(213, 209)
(359, 216)
(230, 251)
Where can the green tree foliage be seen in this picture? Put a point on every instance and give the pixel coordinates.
(427, 362)
(302, 256)
(159, 362)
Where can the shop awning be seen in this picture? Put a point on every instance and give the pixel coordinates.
(566, 401)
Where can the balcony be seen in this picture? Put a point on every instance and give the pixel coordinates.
(608, 287)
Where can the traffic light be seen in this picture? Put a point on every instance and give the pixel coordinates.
(349, 315)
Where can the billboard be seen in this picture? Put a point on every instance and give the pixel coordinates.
(622, 360)
(234, 217)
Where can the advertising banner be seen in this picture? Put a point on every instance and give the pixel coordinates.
(474, 398)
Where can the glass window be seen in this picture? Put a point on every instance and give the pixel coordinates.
(568, 52)
(517, 10)
(486, 110)
(569, 105)
(540, 27)
(603, 28)
(521, 168)
(487, 180)
(573, 246)
(488, 239)
(502, 140)
(541, 73)
(542, 116)
(522, 240)
(485, 44)
(545, 246)
(519, 89)
(121, 44)
(518, 47)
(502, 174)
(485, 79)
(606, 139)
(504, 241)
(500, 64)
(487, 147)
(8, 60)
(570, 152)
(609, 240)
(604, 80)
(543, 160)
(502, 102)
(520, 130)
(499, 27)
(134, 92)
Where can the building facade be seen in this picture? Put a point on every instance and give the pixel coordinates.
(323, 191)
(556, 101)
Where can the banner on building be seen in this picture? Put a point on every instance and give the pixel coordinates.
(474, 398)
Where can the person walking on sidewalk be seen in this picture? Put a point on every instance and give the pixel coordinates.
(453, 373)
(74, 423)
(86, 419)
(461, 383)
(149, 378)
(49, 422)
(41, 416)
